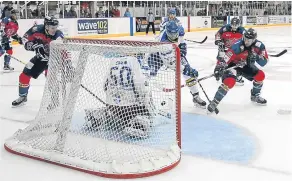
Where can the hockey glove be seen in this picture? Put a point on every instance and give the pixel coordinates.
(40, 51)
(219, 70)
(251, 58)
(220, 44)
(183, 49)
(20, 40)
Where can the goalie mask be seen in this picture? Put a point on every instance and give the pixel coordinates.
(172, 31)
(51, 25)
(249, 37)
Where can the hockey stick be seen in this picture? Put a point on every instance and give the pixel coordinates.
(200, 42)
(216, 110)
(279, 54)
(203, 78)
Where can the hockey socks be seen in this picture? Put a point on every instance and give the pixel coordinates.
(23, 84)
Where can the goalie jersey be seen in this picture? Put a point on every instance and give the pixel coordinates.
(125, 82)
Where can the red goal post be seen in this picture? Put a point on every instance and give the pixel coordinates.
(60, 133)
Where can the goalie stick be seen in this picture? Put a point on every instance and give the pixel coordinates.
(200, 42)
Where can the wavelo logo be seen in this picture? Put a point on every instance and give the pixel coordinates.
(90, 26)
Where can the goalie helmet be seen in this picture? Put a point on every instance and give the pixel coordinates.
(250, 37)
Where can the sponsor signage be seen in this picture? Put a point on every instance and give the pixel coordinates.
(276, 19)
(141, 24)
(92, 26)
(251, 20)
(262, 20)
(218, 21)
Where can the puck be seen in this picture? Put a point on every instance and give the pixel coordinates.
(163, 103)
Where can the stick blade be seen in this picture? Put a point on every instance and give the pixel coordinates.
(279, 54)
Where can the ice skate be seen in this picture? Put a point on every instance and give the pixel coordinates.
(7, 68)
(198, 101)
(212, 107)
(19, 102)
(257, 99)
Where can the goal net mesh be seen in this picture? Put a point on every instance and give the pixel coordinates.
(104, 111)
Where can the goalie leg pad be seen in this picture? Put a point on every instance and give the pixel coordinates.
(139, 127)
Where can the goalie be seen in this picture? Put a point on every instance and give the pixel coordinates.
(128, 102)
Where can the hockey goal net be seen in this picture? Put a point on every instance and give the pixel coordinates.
(104, 111)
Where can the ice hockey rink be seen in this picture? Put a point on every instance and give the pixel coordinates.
(244, 142)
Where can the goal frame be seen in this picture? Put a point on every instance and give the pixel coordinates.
(178, 112)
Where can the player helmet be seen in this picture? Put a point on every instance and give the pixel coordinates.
(235, 23)
(172, 13)
(172, 30)
(249, 37)
(51, 25)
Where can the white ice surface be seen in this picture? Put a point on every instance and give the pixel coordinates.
(273, 131)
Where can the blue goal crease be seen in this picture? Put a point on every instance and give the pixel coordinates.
(202, 136)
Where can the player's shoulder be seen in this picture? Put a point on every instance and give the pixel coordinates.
(59, 35)
(238, 47)
(38, 28)
(259, 44)
(241, 29)
(225, 28)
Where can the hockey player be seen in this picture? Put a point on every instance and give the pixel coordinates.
(171, 17)
(174, 33)
(225, 38)
(128, 100)
(37, 39)
(243, 53)
(8, 29)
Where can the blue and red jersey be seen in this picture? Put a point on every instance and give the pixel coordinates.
(239, 52)
(37, 34)
(228, 36)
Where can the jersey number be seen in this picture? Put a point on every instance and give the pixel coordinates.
(121, 76)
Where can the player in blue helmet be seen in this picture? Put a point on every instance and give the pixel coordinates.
(174, 33)
(171, 17)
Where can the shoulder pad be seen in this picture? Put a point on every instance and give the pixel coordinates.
(38, 28)
(59, 34)
(259, 44)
